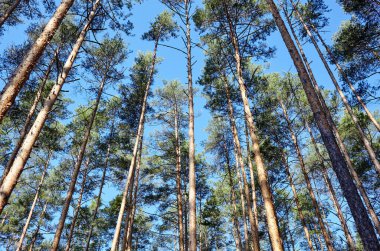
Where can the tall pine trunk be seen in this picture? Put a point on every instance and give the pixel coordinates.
(79, 204)
(298, 204)
(274, 232)
(355, 120)
(36, 232)
(307, 179)
(363, 223)
(36, 196)
(9, 12)
(15, 171)
(22, 73)
(237, 147)
(342, 147)
(192, 176)
(131, 171)
(28, 119)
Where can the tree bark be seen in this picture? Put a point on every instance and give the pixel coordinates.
(192, 175)
(9, 12)
(28, 119)
(342, 147)
(26, 226)
(15, 171)
(79, 204)
(358, 210)
(274, 232)
(22, 73)
(307, 179)
(237, 148)
(355, 120)
(298, 205)
(35, 234)
(140, 130)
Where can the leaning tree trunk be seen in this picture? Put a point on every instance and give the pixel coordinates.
(192, 178)
(9, 12)
(79, 204)
(178, 179)
(28, 119)
(363, 223)
(298, 204)
(235, 220)
(36, 232)
(128, 210)
(15, 171)
(23, 234)
(307, 179)
(355, 120)
(274, 232)
(22, 73)
(237, 147)
(98, 199)
(134, 158)
(342, 147)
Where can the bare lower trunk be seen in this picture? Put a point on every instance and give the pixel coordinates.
(36, 232)
(128, 212)
(79, 204)
(23, 234)
(307, 179)
(355, 120)
(98, 199)
(363, 223)
(9, 12)
(15, 171)
(22, 73)
(237, 148)
(134, 156)
(274, 232)
(28, 119)
(298, 205)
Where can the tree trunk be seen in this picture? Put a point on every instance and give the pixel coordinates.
(298, 205)
(22, 73)
(79, 204)
(128, 212)
(355, 120)
(23, 234)
(192, 176)
(342, 147)
(98, 199)
(35, 234)
(15, 171)
(307, 179)
(178, 180)
(9, 12)
(358, 210)
(237, 147)
(274, 232)
(28, 119)
(135, 149)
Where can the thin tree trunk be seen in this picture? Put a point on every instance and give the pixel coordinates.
(128, 212)
(307, 179)
(34, 238)
(23, 234)
(235, 220)
(298, 205)
(134, 203)
(358, 210)
(79, 204)
(274, 232)
(192, 177)
(237, 147)
(98, 199)
(178, 180)
(342, 147)
(9, 12)
(15, 171)
(22, 73)
(28, 119)
(355, 120)
(135, 149)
